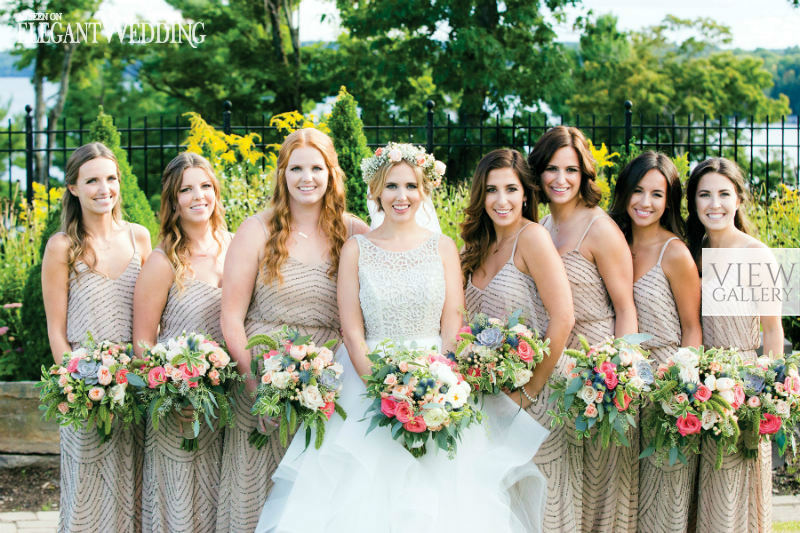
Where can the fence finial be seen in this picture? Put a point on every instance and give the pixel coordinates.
(430, 104)
(628, 125)
(226, 116)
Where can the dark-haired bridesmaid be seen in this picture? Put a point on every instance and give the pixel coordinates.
(738, 496)
(509, 262)
(647, 208)
(89, 270)
(600, 271)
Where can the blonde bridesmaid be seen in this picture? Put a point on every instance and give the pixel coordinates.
(89, 270)
(737, 497)
(509, 262)
(647, 208)
(179, 291)
(281, 269)
(598, 262)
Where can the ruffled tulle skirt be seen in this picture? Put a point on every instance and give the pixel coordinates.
(367, 483)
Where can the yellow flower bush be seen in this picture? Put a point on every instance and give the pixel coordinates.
(37, 215)
(779, 223)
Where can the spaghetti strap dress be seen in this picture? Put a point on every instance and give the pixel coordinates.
(180, 488)
(665, 492)
(306, 301)
(508, 291)
(737, 498)
(101, 483)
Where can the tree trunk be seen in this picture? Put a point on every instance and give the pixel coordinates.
(273, 9)
(58, 108)
(38, 113)
(294, 34)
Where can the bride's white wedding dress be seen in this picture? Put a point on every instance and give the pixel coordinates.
(371, 483)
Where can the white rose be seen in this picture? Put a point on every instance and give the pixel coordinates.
(272, 364)
(439, 168)
(457, 395)
(636, 382)
(587, 394)
(711, 382)
(117, 393)
(685, 357)
(709, 418)
(310, 397)
(522, 376)
(625, 357)
(337, 368)
(726, 395)
(495, 322)
(298, 351)
(395, 155)
(281, 379)
(80, 352)
(172, 353)
(434, 417)
(725, 384)
(782, 408)
(443, 373)
(666, 408)
(107, 360)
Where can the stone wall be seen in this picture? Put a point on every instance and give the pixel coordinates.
(22, 429)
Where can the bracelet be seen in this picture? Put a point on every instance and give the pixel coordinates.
(533, 401)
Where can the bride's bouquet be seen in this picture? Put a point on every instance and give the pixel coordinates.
(90, 388)
(695, 394)
(603, 388)
(190, 371)
(493, 355)
(419, 395)
(771, 402)
(300, 383)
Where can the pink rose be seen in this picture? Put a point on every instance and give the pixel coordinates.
(395, 155)
(661, 370)
(689, 424)
(753, 401)
(388, 406)
(792, 385)
(780, 389)
(104, 376)
(420, 160)
(770, 424)
(606, 368)
(213, 375)
(463, 329)
(525, 351)
(415, 425)
(63, 407)
(738, 396)
(599, 397)
(378, 152)
(266, 379)
(702, 393)
(626, 400)
(72, 366)
(121, 376)
(328, 409)
(271, 353)
(96, 394)
(611, 380)
(403, 412)
(390, 380)
(187, 375)
(71, 397)
(403, 366)
(681, 397)
(157, 376)
(590, 411)
(62, 381)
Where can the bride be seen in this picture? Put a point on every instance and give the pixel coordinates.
(403, 282)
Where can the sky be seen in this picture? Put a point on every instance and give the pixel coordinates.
(761, 23)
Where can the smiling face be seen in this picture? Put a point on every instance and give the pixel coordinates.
(504, 197)
(196, 195)
(306, 175)
(401, 195)
(97, 186)
(649, 199)
(716, 201)
(561, 178)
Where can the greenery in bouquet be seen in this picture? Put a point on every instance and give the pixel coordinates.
(771, 403)
(189, 371)
(299, 384)
(603, 388)
(695, 394)
(494, 355)
(90, 388)
(419, 395)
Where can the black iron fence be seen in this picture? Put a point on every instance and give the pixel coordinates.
(767, 150)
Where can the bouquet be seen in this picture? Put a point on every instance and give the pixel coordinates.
(300, 383)
(189, 371)
(603, 388)
(419, 394)
(494, 356)
(771, 402)
(90, 388)
(695, 394)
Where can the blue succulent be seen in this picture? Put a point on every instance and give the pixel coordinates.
(490, 337)
(328, 379)
(644, 371)
(754, 382)
(87, 371)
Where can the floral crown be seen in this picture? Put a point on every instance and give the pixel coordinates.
(432, 170)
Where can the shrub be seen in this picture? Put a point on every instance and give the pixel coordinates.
(347, 131)
(135, 207)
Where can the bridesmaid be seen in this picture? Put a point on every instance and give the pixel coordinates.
(515, 262)
(179, 287)
(738, 497)
(281, 269)
(600, 271)
(89, 270)
(647, 208)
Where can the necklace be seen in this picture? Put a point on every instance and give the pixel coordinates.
(303, 235)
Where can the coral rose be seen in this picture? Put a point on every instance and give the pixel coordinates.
(738, 396)
(388, 406)
(770, 424)
(415, 425)
(121, 376)
(626, 400)
(403, 412)
(328, 409)
(590, 411)
(689, 424)
(702, 393)
(157, 376)
(525, 351)
(96, 394)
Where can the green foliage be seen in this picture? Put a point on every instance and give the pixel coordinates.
(347, 131)
(135, 207)
(450, 202)
(784, 66)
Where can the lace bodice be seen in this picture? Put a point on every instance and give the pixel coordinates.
(401, 293)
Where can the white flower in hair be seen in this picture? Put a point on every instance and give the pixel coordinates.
(432, 170)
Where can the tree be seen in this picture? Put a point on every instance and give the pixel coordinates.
(347, 131)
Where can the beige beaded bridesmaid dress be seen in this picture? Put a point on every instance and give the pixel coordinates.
(508, 291)
(306, 300)
(101, 484)
(738, 497)
(665, 492)
(180, 488)
(607, 480)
